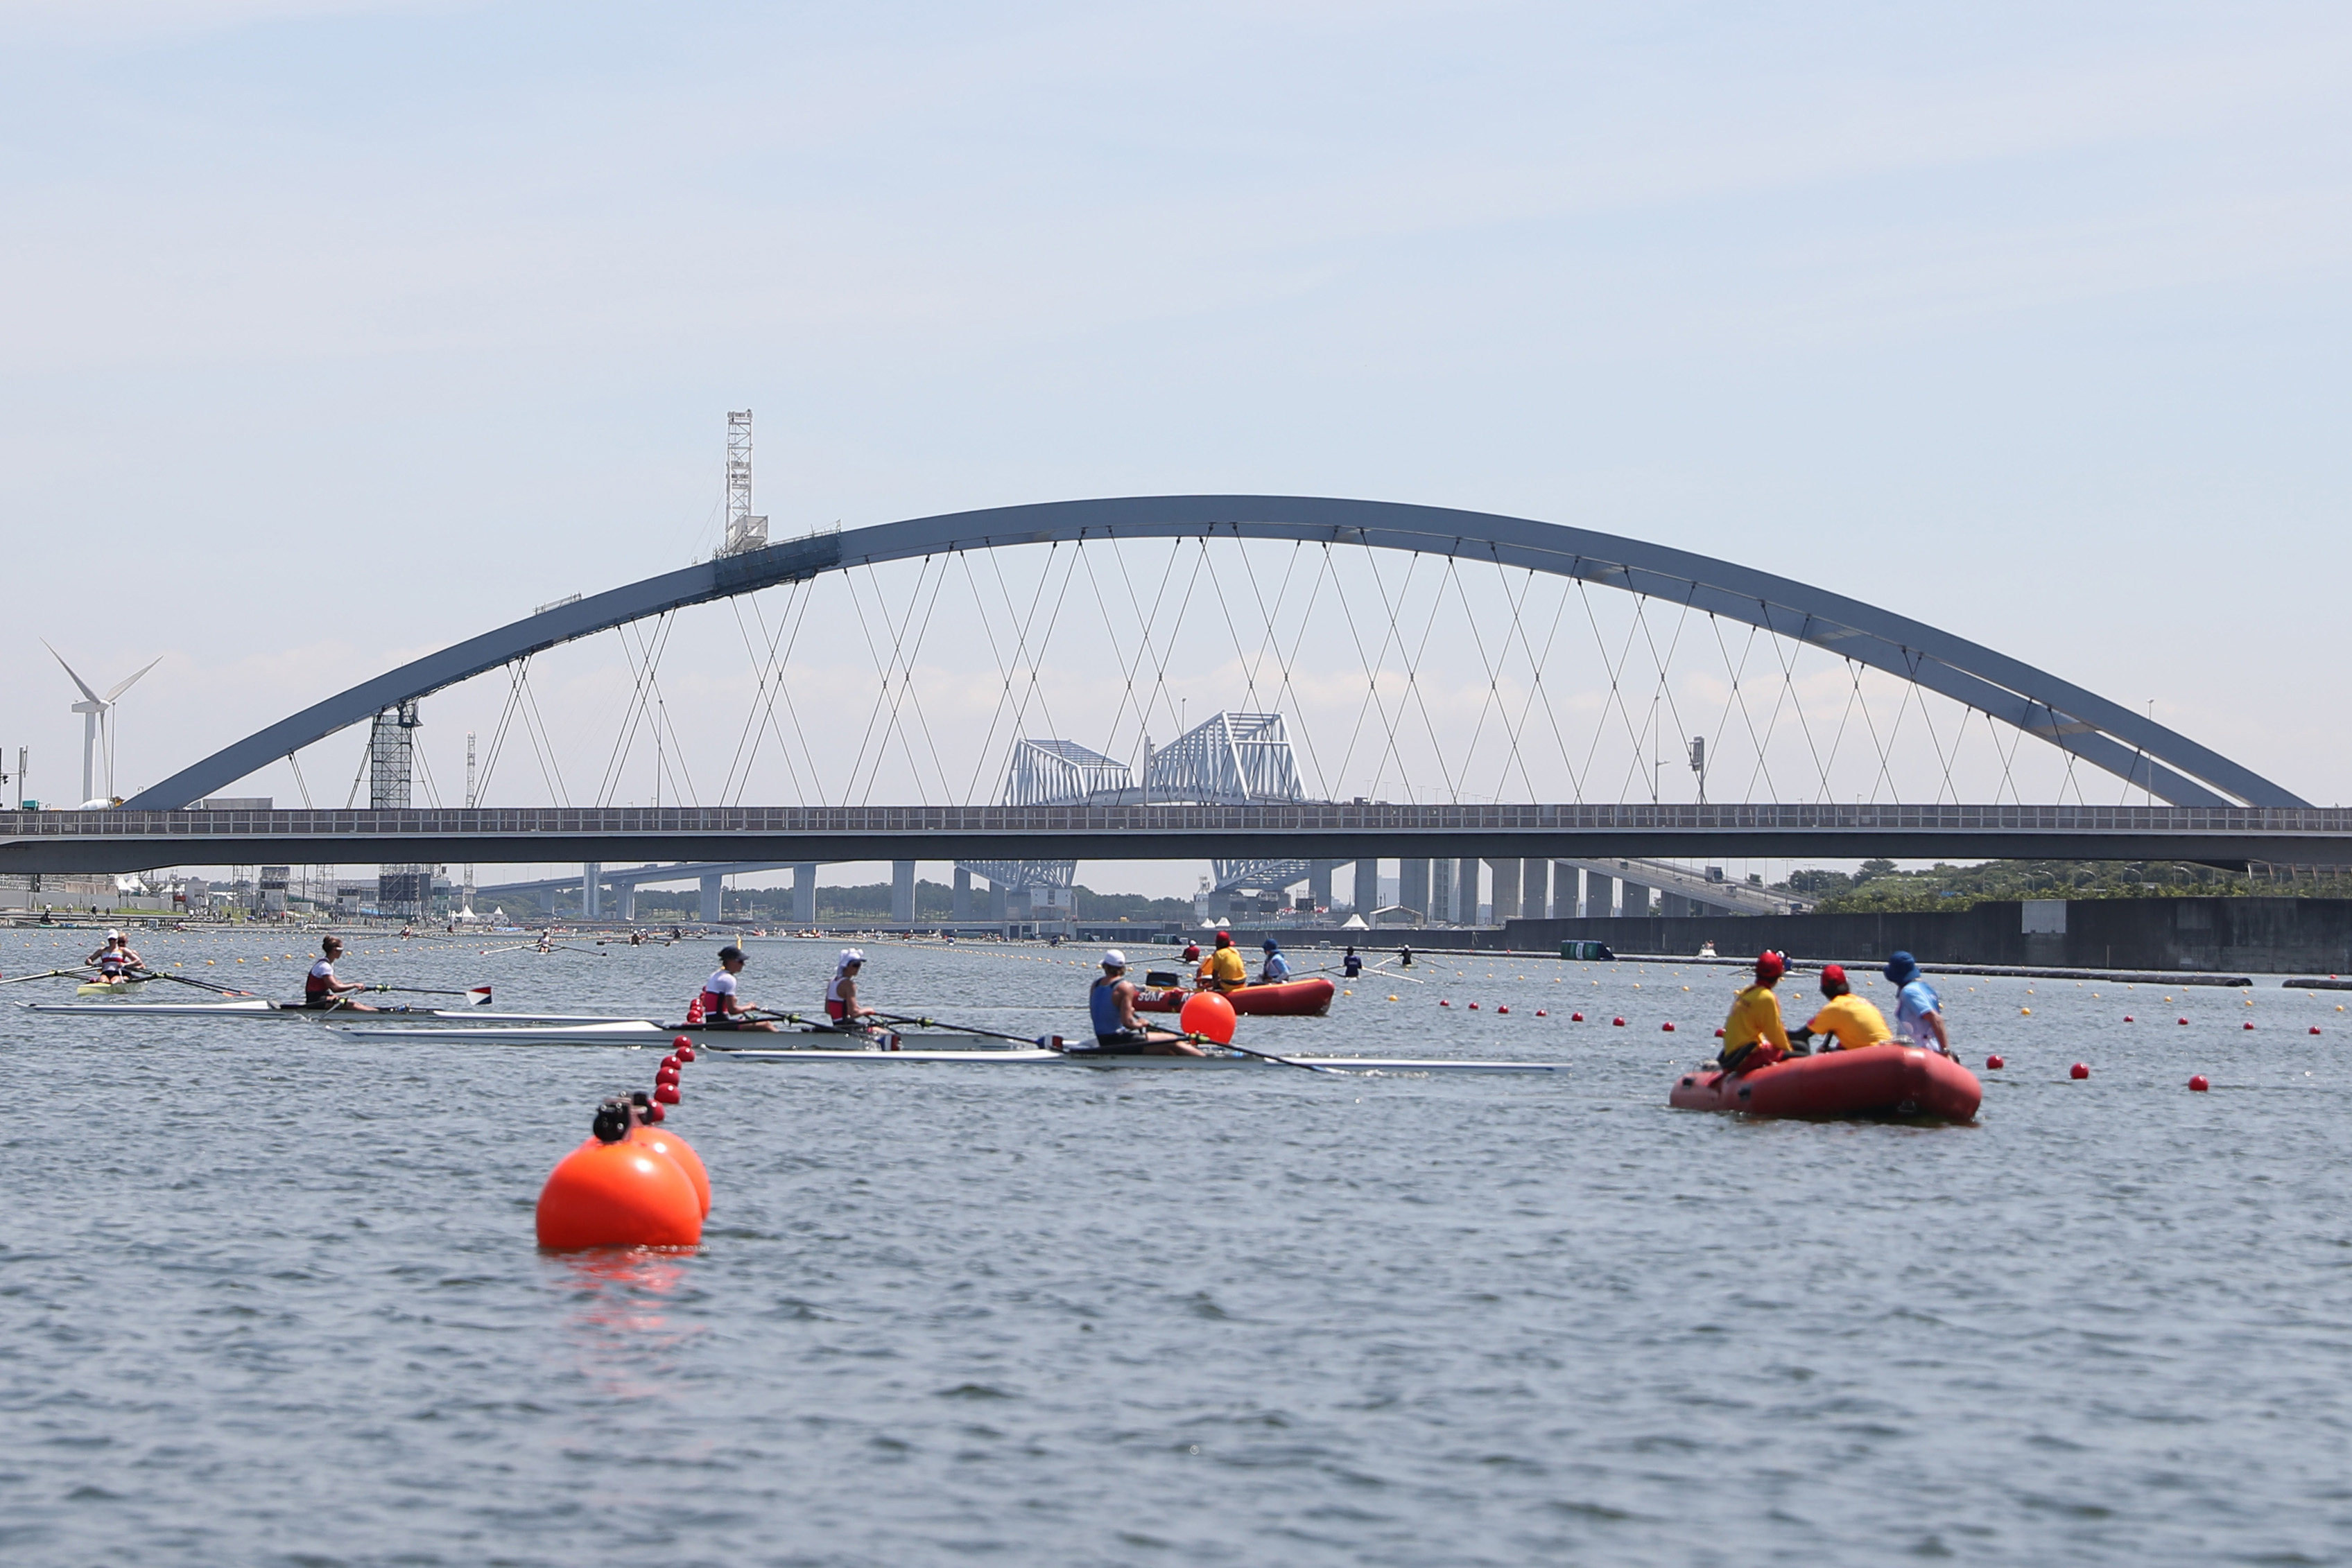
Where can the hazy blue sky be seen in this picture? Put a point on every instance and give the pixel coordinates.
(335, 332)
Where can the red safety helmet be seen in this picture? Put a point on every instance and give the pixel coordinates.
(1771, 967)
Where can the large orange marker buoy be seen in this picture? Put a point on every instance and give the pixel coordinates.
(1208, 1015)
(664, 1141)
(618, 1194)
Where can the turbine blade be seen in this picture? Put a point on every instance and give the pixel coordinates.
(86, 692)
(124, 685)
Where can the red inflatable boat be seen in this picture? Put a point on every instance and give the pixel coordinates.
(1883, 1080)
(1293, 998)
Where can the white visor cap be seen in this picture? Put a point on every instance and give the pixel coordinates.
(1114, 959)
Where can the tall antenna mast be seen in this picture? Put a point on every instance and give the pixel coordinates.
(745, 531)
(466, 896)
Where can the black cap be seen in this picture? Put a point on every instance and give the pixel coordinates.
(730, 951)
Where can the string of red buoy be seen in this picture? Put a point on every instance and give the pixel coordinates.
(634, 1182)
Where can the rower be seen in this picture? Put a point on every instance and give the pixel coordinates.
(723, 1003)
(1110, 1002)
(1852, 1022)
(1405, 958)
(1223, 969)
(841, 995)
(113, 956)
(1191, 952)
(321, 992)
(1276, 969)
(1351, 965)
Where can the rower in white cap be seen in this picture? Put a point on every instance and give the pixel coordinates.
(841, 995)
(1117, 1031)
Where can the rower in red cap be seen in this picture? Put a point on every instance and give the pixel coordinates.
(1753, 1035)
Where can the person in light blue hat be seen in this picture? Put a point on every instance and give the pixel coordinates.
(1918, 1012)
(1277, 967)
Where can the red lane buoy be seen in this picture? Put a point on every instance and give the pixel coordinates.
(2184, 1021)
(1209, 1014)
(1474, 1007)
(662, 1141)
(2250, 1023)
(1719, 1034)
(666, 1093)
(1617, 1023)
(1665, 1029)
(619, 1194)
(2198, 1084)
(1540, 1013)
(2078, 1070)
(1497, 1009)
(1994, 1064)
(1441, 1001)
(1576, 1017)
(2128, 1019)
(2315, 1028)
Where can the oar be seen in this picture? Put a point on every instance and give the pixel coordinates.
(200, 985)
(51, 974)
(482, 994)
(1261, 1055)
(959, 1027)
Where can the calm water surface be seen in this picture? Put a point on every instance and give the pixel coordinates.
(270, 1297)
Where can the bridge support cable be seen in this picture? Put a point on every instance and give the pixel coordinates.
(896, 670)
(1009, 672)
(767, 689)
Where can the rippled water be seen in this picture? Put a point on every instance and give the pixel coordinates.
(270, 1297)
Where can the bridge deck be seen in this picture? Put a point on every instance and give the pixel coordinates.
(63, 841)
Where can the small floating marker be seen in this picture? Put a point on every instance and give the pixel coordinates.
(2250, 1023)
(2078, 1070)
(1392, 998)
(1502, 1009)
(2197, 1085)
(1576, 1017)
(1994, 1064)
(1539, 1012)
(2025, 1013)
(1443, 1003)
(2184, 1021)
(1617, 1023)
(1719, 1034)
(2128, 1019)
(2315, 1028)
(1666, 1028)
(1474, 1007)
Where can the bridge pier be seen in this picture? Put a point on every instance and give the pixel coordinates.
(710, 898)
(902, 892)
(1600, 897)
(1412, 887)
(961, 912)
(1000, 912)
(1318, 882)
(1675, 906)
(1506, 879)
(1366, 895)
(804, 894)
(1466, 891)
(592, 894)
(624, 900)
(1535, 889)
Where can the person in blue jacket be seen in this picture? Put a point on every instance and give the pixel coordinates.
(1918, 1012)
(1277, 967)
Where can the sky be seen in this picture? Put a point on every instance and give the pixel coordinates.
(340, 331)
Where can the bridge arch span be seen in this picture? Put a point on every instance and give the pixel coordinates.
(2107, 735)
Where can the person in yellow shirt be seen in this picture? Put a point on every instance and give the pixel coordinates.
(1223, 969)
(1850, 1021)
(1753, 1035)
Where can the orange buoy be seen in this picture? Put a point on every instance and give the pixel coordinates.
(622, 1193)
(666, 1142)
(1208, 1015)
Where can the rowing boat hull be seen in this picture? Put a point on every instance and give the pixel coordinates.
(1883, 1080)
(1028, 1058)
(107, 988)
(1292, 998)
(261, 1006)
(638, 1033)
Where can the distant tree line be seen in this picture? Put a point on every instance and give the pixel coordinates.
(1877, 887)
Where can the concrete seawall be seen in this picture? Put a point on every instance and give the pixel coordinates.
(2272, 936)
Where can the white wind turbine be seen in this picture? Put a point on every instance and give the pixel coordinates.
(97, 714)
